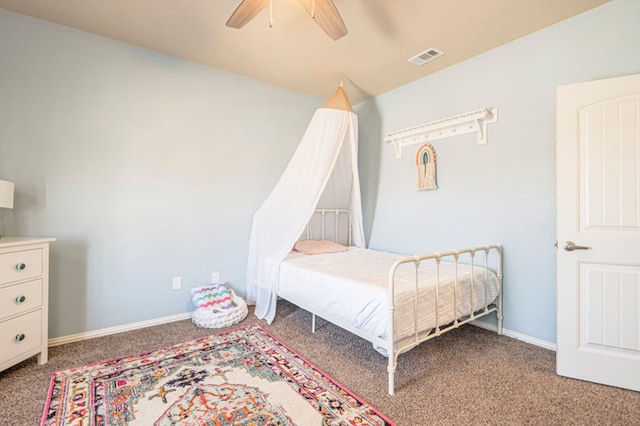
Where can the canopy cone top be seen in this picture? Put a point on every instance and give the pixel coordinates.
(339, 100)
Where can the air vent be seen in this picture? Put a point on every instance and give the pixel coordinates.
(428, 55)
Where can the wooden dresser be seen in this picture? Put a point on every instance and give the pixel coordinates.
(24, 299)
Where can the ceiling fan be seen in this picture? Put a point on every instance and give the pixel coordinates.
(324, 12)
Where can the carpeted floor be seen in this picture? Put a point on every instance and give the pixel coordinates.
(468, 376)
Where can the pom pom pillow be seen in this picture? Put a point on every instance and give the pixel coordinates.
(213, 296)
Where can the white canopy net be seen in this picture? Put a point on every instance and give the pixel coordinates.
(323, 172)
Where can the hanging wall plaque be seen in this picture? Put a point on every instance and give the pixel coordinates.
(426, 167)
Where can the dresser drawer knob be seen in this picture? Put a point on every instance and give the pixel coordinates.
(20, 337)
(20, 299)
(20, 266)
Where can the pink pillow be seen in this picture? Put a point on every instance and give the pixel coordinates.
(319, 247)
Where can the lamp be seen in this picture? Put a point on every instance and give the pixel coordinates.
(6, 195)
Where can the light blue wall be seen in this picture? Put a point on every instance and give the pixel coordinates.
(142, 165)
(503, 192)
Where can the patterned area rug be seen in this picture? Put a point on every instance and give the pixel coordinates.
(240, 377)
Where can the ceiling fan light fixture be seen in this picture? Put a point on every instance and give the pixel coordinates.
(323, 12)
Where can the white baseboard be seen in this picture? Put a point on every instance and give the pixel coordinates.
(187, 315)
(117, 329)
(516, 335)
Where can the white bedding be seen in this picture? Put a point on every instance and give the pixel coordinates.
(352, 286)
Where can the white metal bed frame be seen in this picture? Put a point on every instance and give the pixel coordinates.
(389, 344)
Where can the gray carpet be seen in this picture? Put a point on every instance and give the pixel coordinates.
(468, 376)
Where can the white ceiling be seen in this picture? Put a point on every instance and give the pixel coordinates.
(296, 53)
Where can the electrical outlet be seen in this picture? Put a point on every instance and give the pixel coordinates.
(215, 277)
(177, 283)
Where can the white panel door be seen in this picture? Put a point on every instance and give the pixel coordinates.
(598, 179)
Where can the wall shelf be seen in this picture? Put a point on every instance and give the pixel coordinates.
(474, 121)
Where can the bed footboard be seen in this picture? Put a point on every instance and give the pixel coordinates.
(455, 256)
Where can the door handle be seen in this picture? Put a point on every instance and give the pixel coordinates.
(570, 246)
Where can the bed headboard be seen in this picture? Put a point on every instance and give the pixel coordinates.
(329, 224)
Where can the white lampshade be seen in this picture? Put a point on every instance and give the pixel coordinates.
(6, 194)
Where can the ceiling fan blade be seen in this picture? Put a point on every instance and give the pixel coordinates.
(327, 16)
(245, 12)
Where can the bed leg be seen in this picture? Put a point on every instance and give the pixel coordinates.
(499, 314)
(313, 323)
(391, 371)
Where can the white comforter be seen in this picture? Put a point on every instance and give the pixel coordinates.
(353, 286)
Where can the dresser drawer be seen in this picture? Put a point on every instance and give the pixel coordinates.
(20, 265)
(18, 298)
(29, 326)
